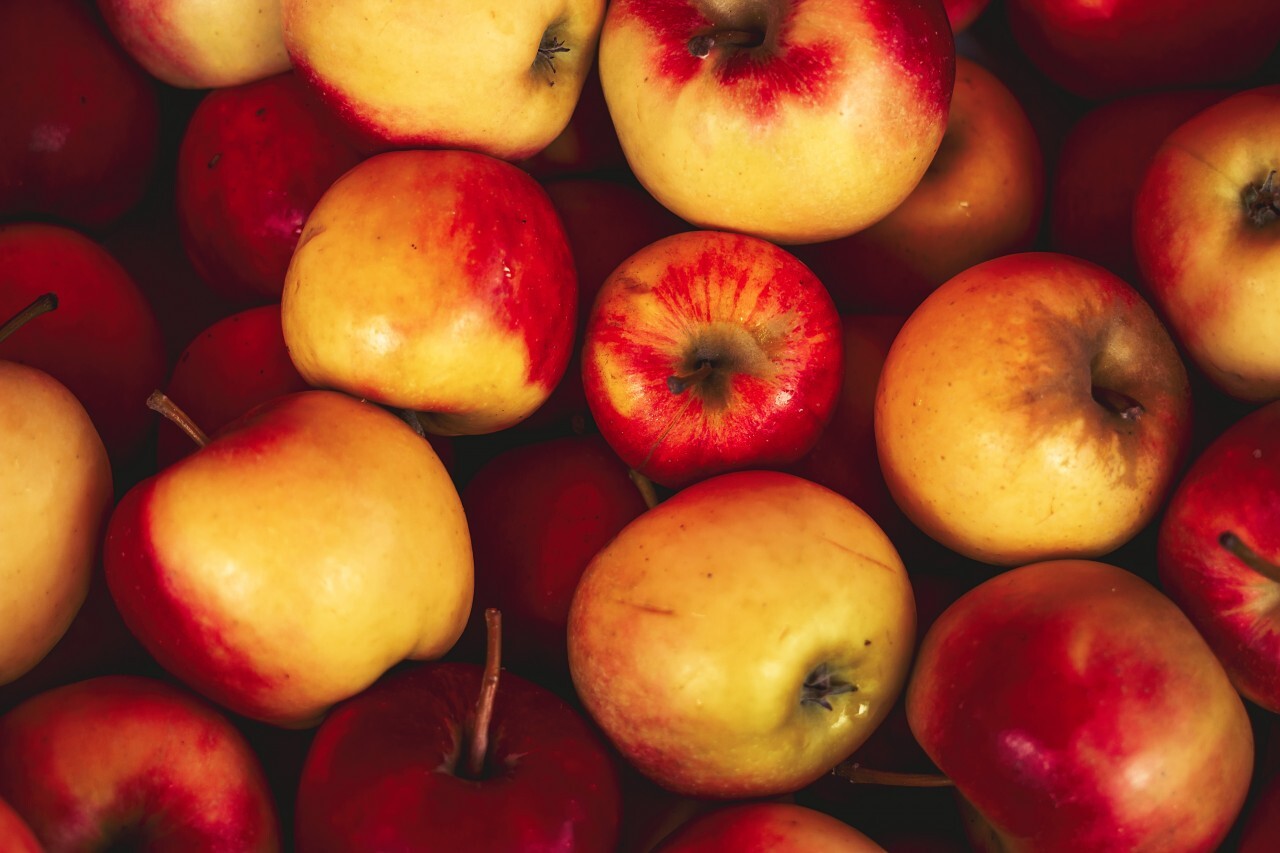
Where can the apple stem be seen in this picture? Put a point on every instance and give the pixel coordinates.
(479, 751)
(42, 305)
(548, 48)
(1117, 403)
(1248, 556)
(680, 382)
(159, 402)
(702, 45)
(645, 485)
(855, 772)
(1260, 201)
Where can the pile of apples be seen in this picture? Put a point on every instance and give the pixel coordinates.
(640, 425)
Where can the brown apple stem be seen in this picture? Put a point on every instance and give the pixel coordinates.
(645, 485)
(855, 772)
(1248, 556)
(548, 49)
(479, 751)
(1262, 201)
(159, 402)
(1118, 403)
(679, 383)
(702, 45)
(42, 305)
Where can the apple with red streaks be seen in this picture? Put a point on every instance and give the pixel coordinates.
(450, 756)
(81, 129)
(793, 121)
(128, 762)
(766, 828)
(472, 320)
(499, 79)
(1206, 233)
(1218, 551)
(312, 544)
(709, 351)
(1056, 698)
(1104, 50)
(200, 45)
(254, 159)
(103, 342)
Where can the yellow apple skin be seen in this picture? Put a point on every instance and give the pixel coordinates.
(283, 567)
(1002, 417)
(56, 490)
(692, 633)
(446, 73)
(438, 281)
(1213, 273)
(201, 44)
(814, 134)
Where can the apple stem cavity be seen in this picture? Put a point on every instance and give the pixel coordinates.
(821, 684)
(548, 49)
(43, 304)
(1233, 543)
(852, 771)
(1262, 202)
(159, 402)
(478, 751)
(1118, 403)
(701, 45)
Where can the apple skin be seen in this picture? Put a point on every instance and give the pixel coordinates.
(761, 321)
(446, 74)
(726, 140)
(312, 544)
(1232, 486)
(766, 828)
(962, 13)
(81, 134)
(1055, 696)
(103, 342)
(1261, 824)
(15, 835)
(1100, 51)
(252, 163)
(1211, 270)
(473, 319)
(692, 634)
(195, 44)
(981, 197)
(136, 761)
(383, 771)
(1004, 419)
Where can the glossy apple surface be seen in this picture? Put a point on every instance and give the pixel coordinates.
(1228, 586)
(474, 314)
(1032, 407)
(708, 352)
(785, 120)
(1055, 696)
(766, 828)
(744, 636)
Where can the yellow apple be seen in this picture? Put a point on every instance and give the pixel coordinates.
(743, 637)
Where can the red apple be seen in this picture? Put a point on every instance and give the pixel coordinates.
(81, 127)
(962, 13)
(253, 162)
(15, 835)
(766, 828)
(1219, 551)
(708, 352)
(124, 762)
(1055, 696)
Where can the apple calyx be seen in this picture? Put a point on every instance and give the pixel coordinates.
(1118, 403)
(478, 734)
(159, 402)
(548, 48)
(702, 44)
(822, 683)
(1262, 201)
(1251, 558)
(718, 352)
(852, 771)
(42, 304)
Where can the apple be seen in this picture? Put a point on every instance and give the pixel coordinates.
(56, 490)
(1261, 823)
(497, 78)
(1032, 407)
(15, 835)
(793, 121)
(81, 130)
(1055, 697)
(473, 317)
(193, 44)
(982, 196)
(312, 544)
(588, 146)
(254, 159)
(103, 342)
(1103, 157)
(1100, 51)
(766, 828)
(709, 351)
(128, 762)
(450, 756)
(1219, 551)
(1205, 236)
(744, 636)
(962, 13)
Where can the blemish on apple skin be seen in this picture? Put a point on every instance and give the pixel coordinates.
(647, 608)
